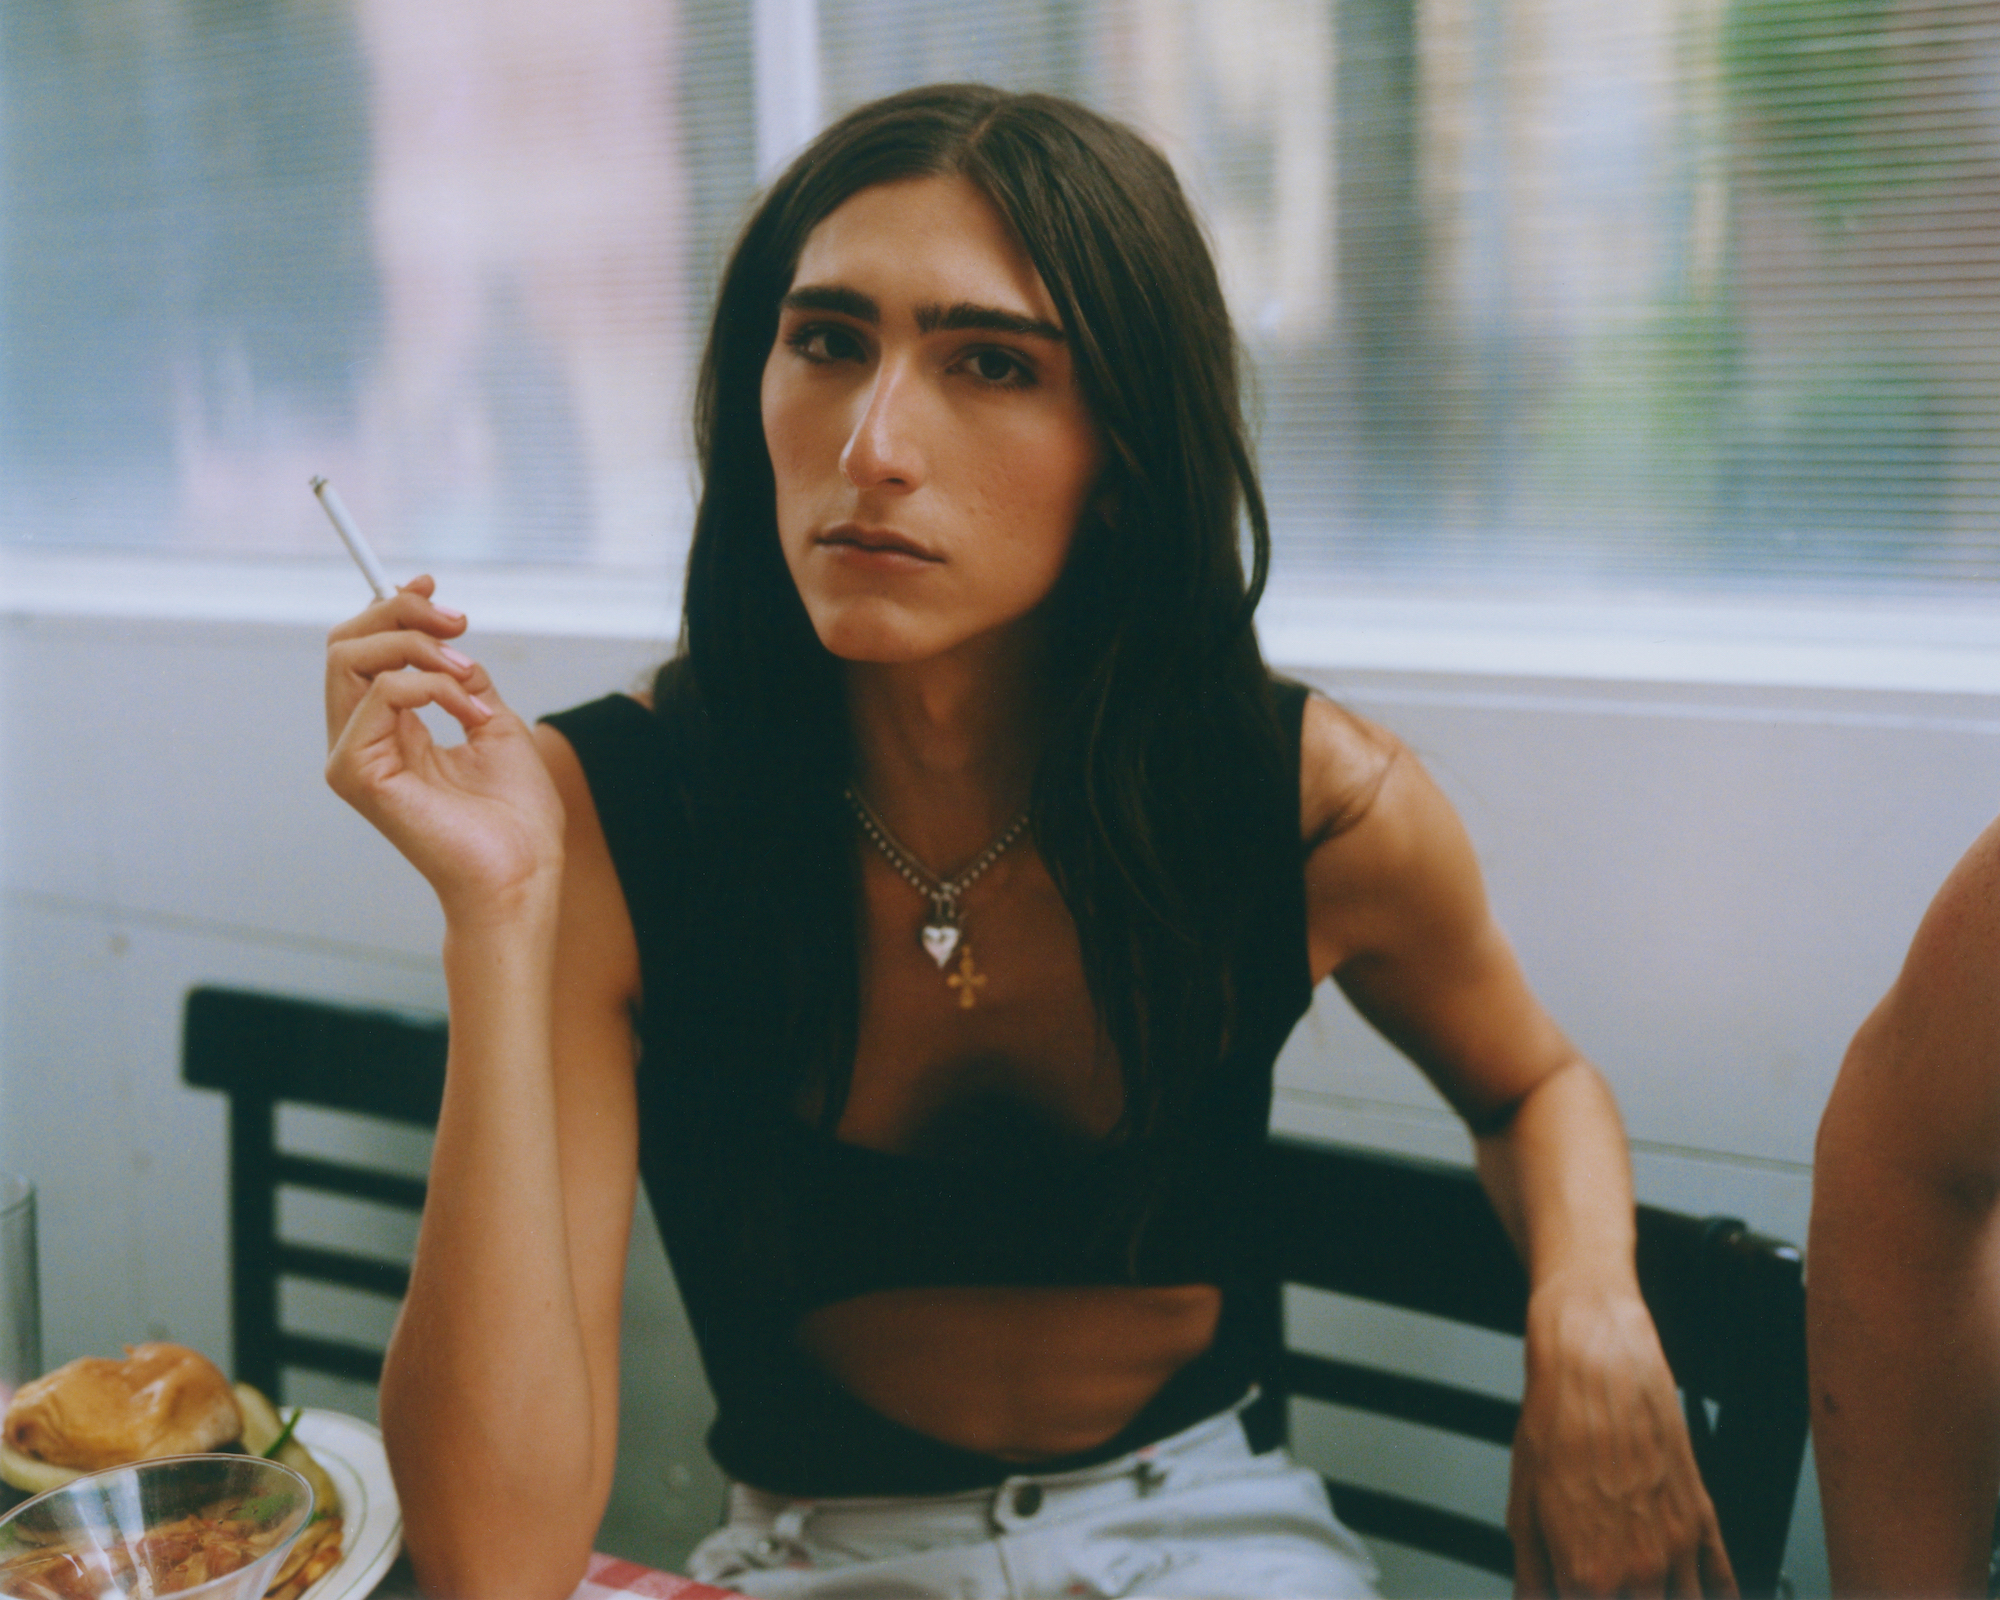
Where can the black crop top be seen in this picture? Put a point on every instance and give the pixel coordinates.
(765, 1218)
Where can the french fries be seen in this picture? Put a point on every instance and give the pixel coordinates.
(318, 1548)
(311, 1559)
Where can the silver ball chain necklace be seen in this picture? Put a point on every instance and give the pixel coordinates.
(942, 934)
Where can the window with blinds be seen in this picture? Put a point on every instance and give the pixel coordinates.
(1673, 294)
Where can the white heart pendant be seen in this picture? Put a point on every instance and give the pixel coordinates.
(940, 941)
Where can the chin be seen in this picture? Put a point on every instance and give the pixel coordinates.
(880, 635)
(875, 649)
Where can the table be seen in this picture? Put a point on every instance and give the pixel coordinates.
(608, 1578)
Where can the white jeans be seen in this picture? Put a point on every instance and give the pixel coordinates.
(1195, 1514)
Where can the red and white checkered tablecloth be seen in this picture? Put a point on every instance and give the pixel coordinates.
(609, 1578)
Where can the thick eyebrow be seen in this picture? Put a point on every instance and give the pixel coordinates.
(847, 302)
(930, 318)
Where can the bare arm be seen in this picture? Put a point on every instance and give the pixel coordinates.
(499, 1395)
(1903, 1308)
(1606, 1497)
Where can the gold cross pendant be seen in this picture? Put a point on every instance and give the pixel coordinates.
(966, 980)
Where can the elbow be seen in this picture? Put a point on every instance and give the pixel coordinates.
(474, 1530)
(1564, 1076)
(1484, 1122)
(510, 1564)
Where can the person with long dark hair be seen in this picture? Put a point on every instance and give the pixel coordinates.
(925, 939)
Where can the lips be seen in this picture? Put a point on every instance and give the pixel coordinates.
(875, 541)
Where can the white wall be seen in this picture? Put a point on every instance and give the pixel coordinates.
(1710, 885)
(165, 824)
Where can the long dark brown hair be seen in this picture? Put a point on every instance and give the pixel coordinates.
(1161, 789)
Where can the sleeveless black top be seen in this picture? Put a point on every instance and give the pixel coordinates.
(766, 1218)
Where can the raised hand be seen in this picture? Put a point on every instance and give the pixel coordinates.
(480, 819)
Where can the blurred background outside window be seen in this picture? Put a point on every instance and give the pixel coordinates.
(1696, 296)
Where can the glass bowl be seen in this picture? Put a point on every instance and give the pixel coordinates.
(213, 1526)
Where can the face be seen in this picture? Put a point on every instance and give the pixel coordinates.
(932, 452)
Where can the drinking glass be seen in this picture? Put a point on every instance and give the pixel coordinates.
(20, 1287)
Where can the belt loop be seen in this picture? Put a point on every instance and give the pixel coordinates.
(790, 1524)
(996, 1506)
(785, 1545)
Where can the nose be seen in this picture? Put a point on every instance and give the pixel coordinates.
(882, 452)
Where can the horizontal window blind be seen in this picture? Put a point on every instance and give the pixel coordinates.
(1657, 295)
(1673, 294)
(453, 254)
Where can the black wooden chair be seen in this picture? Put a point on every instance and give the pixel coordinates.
(1420, 1235)
(266, 1050)
(1390, 1229)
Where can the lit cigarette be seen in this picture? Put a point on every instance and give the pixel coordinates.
(357, 547)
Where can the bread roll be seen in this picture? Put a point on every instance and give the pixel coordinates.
(161, 1400)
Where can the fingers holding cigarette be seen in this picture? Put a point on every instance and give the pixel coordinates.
(415, 689)
(377, 747)
(397, 637)
(409, 607)
(434, 618)
(367, 644)
(364, 657)
(477, 817)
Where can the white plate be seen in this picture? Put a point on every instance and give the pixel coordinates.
(371, 1521)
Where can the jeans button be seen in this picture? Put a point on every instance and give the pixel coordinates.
(1027, 1499)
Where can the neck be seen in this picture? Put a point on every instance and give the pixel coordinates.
(945, 749)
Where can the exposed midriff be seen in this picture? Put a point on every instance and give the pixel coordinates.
(1022, 1374)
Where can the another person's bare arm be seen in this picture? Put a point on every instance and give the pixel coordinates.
(1903, 1266)
(1606, 1497)
(499, 1397)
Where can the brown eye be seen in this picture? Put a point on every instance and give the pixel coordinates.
(826, 342)
(999, 367)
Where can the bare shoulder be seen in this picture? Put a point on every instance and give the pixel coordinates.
(1924, 1068)
(1949, 986)
(1369, 812)
(1343, 760)
(1397, 914)
(597, 953)
(1960, 934)
(1388, 866)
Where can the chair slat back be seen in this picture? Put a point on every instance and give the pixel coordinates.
(1421, 1236)
(265, 1050)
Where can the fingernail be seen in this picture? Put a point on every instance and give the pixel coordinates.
(446, 611)
(454, 657)
(485, 709)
